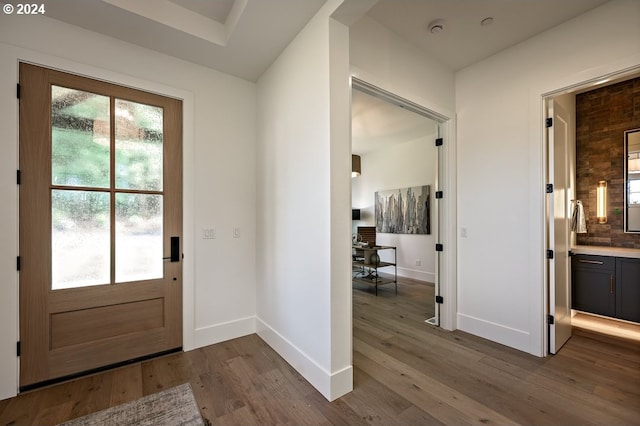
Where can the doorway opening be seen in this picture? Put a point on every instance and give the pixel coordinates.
(590, 257)
(396, 195)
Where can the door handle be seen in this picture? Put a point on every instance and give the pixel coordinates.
(611, 287)
(175, 249)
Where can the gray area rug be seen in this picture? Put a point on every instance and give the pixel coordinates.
(174, 406)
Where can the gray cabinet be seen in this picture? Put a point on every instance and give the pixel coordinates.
(606, 285)
(593, 284)
(628, 289)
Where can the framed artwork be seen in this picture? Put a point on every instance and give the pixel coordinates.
(404, 210)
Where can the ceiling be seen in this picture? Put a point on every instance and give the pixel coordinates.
(463, 40)
(377, 124)
(237, 37)
(217, 10)
(243, 37)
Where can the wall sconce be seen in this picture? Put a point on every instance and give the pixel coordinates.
(355, 165)
(601, 201)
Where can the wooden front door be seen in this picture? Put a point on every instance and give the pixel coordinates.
(100, 224)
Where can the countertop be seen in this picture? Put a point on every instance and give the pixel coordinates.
(607, 251)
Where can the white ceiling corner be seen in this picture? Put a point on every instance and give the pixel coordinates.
(463, 39)
(237, 37)
(213, 22)
(217, 10)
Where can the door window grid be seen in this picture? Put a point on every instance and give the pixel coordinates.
(106, 192)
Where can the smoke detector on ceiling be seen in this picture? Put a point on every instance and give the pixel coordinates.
(487, 21)
(436, 27)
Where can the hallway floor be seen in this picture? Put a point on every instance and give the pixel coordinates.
(405, 373)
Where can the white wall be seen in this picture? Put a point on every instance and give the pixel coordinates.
(303, 287)
(219, 173)
(500, 166)
(403, 165)
(382, 58)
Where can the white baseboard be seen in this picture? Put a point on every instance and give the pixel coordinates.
(507, 336)
(417, 275)
(225, 331)
(330, 385)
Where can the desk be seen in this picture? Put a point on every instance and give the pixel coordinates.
(366, 263)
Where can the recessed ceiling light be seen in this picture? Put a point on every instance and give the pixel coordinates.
(436, 26)
(487, 21)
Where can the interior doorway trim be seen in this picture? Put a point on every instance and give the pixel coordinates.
(446, 267)
(580, 83)
(394, 99)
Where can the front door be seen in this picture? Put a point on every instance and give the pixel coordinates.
(100, 224)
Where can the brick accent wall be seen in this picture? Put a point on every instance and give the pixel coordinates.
(602, 116)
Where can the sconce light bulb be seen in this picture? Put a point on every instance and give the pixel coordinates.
(601, 201)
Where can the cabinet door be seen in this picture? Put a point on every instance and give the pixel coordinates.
(628, 289)
(593, 283)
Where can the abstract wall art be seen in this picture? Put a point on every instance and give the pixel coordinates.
(403, 211)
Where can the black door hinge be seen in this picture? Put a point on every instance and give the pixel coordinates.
(17, 348)
(439, 299)
(549, 188)
(549, 254)
(548, 122)
(18, 177)
(18, 263)
(439, 247)
(439, 194)
(439, 142)
(18, 90)
(550, 320)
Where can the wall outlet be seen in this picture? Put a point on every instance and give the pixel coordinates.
(418, 262)
(236, 232)
(209, 233)
(463, 232)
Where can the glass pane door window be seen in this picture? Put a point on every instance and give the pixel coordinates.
(106, 189)
(634, 191)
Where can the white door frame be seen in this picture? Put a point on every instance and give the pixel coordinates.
(592, 78)
(446, 268)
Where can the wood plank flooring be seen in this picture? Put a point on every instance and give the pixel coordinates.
(405, 373)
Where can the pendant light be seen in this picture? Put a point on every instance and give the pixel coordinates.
(355, 165)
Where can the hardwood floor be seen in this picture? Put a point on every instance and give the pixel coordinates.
(405, 373)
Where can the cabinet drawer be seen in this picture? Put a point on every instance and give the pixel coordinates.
(603, 263)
